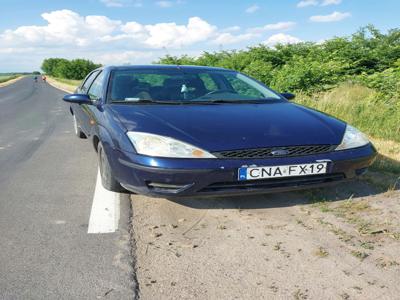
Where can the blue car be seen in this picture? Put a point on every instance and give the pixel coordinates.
(173, 131)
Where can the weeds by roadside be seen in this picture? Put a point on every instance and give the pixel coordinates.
(7, 78)
(321, 252)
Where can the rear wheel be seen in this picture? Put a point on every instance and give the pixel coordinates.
(107, 177)
(78, 132)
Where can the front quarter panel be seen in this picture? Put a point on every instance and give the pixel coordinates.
(111, 131)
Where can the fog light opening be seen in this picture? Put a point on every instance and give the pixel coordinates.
(166, 187)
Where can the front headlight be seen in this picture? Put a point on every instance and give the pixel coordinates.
(352, 138)
(162, 146)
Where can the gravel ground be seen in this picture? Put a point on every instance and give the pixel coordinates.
(333, 243)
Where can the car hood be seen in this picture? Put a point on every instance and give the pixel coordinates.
(234, 126)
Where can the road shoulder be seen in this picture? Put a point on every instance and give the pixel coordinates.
(331, 243)
(11, 81)
(61, 85)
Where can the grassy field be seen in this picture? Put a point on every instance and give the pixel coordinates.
(71, 82)
(64, 84)
(362, 107)
(4, 78)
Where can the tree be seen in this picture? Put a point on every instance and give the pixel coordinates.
(69, 69)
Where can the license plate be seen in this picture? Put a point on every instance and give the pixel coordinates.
(253, 173)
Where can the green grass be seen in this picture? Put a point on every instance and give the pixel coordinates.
(4, 78)
(71, 82)
(359, 254)
(388, 159)
(368, 110)
(321, 252)
(360, 106)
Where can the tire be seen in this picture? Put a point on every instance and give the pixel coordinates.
(107, 177)
(78, 132)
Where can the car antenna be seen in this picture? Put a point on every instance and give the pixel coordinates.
(177, 63)
(166, 51)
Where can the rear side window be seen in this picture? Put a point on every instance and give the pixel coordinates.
(96, 88)
(88, 82)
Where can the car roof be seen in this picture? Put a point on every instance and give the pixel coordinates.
(156, 66)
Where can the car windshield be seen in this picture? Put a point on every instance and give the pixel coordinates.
(185, 86)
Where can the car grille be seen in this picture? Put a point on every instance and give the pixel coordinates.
(269, 152)
(265, 184)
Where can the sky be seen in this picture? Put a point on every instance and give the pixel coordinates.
(140, 31)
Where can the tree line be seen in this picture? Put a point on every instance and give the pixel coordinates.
(355, 78)
(69, 69)
(368, 56)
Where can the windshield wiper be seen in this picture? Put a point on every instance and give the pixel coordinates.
(217, 101)
(194, 102)
(146, 101)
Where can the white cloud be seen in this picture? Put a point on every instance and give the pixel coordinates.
(281, 38)
(123, 57)
(66, 27)
(306, 3)
(231, 29)
(164, 4)
(16, 50)
(330, 2)
(252, 9)
(112, 3)
(281, 26)
(333, 17)
(168, 3)
(105, 40)
(175, 36)
(227, 38)
(122, 3)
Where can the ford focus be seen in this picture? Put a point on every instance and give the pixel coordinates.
(174, 131)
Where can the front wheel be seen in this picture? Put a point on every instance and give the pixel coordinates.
(78, 132)
(107, 177)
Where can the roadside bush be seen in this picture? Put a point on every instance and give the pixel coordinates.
(354, 78)
(69, 69)
(387, 82)
(304, 74)
(308, 66)
(360, 106)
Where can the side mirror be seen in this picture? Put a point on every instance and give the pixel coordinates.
(288, 96)
(78, 99)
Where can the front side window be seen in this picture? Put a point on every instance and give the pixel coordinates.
(209, 83)
(244, 86)
(185, 86)
(88, 82)
(96, 88)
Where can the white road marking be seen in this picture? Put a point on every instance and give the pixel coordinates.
(104, 217)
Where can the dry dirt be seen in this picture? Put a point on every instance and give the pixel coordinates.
(334, 243)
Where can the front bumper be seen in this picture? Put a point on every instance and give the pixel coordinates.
(165, 177)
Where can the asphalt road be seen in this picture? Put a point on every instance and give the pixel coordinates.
(47, 182)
